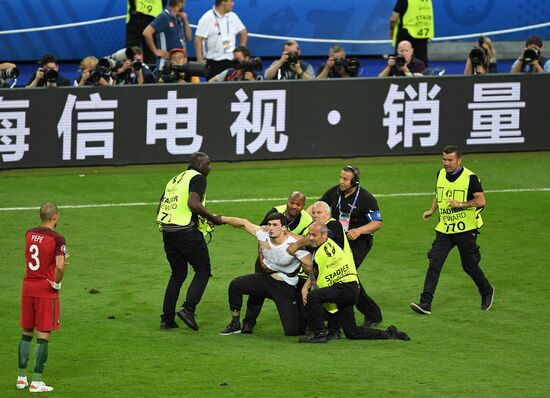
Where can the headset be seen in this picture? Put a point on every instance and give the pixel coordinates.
(356, 175)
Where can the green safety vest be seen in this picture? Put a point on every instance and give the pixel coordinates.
(147, 7)
(418, 20)
(453, 221)
(173, 207)
(305, 220)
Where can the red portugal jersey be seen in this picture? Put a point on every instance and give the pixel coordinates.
(41, 247)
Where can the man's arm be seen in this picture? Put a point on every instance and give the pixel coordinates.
(369, 228)
(186, 27)
(307, 263)
(393, 20)
(243, 223)
(243, 35)
(59, 271)
(427, 214)
(303, 241)
(477, 201)
(198, 48)
(148, 35)
(271, 72)
(194, 203)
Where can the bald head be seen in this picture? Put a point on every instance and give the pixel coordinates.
(318, 234)
(48, 211)
(405, 49)
(295, 204)
(201, 162)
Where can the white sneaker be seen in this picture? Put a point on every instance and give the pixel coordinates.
(22, 382)
(39, 386)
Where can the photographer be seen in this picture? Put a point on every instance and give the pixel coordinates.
(289, 66)
(482, 58)
(132, 70)
(92, 74)
(338, 66)
(174, 71)
(47, 75)
(531, 60)
(244, 69)
(404, 63)
(8, 74)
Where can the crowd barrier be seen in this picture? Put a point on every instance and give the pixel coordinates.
(273, 120)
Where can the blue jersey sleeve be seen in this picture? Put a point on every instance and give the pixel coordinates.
(161, 22)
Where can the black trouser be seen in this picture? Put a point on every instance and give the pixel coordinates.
(264, 286)
(134, 35)
(469, 256)
(344, 295)
(183, 248)
(365, 304)
(215, 67)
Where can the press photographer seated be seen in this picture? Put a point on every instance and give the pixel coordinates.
(92, 73)
(244, 68)
(404, 63)
(531, 59)
(179, 70)
(8, 74)
(482, 58)
(47, 75)
(338, 66)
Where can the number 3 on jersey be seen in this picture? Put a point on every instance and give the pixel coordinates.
(33, 250)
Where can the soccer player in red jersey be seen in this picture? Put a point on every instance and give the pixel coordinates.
(45, 263)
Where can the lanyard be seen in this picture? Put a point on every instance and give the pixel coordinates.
(353, 204)
(218, 20)
(179, 27)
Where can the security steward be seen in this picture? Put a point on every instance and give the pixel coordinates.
(358, 212)
(460, 200)
(184, 221)
(297, 222)
(140, 14)
(336, 282)
(413, 20)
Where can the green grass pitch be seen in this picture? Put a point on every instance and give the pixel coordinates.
(110, 344)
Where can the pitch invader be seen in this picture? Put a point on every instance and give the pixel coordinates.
(45, 254)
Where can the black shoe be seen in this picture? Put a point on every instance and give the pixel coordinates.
(232, 328)
(421, 308)
(333, 334)
(396, 334)
(188, 318)
(371, 324)
(313, 338)
(487, 300)
(247, 329)
(168, 325)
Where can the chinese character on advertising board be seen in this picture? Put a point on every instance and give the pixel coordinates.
(13, 131)
(94, 127)
(496, 114)
(268, 121)
(417, 114)
(174, 120)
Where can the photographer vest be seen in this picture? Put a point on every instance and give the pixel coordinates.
(454, 221)
(418, 20)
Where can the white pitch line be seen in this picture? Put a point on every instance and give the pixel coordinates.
(258, 199)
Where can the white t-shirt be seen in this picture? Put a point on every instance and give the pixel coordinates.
(219, 34)
(277, 259)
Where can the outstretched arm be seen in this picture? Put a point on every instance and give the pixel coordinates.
(243, 223)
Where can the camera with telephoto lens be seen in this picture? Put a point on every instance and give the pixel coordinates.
(251, 65)
(351, 65)
(478, 56)
(173, 71)
(531, 54)
(10, 73)
(400, 61)
(103, 69)
(51, 75)
(293, 57)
